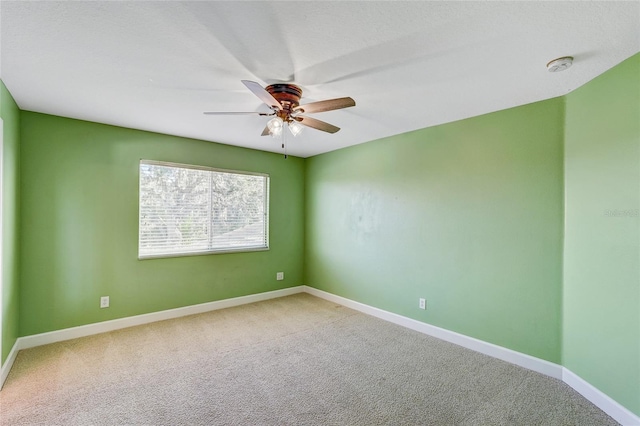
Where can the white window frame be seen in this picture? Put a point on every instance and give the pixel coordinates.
(209, 250)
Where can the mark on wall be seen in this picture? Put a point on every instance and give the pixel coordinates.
(364, 214)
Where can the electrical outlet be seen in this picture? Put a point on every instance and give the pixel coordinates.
(423, 303)
(104, 302)
(280, 276)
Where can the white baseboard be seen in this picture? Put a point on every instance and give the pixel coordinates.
(103, 327)
(117, 324)
(600, 399)
(495, 351)
(8, 363)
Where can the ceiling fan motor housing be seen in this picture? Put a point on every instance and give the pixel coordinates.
(289, 97)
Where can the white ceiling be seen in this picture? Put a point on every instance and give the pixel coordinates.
(158, 65)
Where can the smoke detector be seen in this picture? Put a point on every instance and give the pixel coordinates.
(560, 64)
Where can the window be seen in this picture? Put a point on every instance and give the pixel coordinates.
(187, 210)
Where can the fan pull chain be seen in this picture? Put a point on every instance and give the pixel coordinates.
(284, 143)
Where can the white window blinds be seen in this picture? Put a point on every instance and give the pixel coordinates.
(194, 210)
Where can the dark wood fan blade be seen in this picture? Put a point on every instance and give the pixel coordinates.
(317, 124)
(232, 113)
(328, 105)
(262, 93)
(265, 132)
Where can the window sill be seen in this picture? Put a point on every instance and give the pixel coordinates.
(202, 253)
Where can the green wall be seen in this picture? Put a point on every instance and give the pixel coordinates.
(468, 215)
(79, 234)
(601, 338)
(10, 219)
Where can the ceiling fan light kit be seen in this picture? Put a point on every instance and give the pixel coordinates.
(295, 128)
(275, 126)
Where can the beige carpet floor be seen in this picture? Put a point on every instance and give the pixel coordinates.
(297, 360)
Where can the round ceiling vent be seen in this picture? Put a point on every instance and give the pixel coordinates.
(560, 64)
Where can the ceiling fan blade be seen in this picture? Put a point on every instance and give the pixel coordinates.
(317, 124)
(232, 113)
(328, 105)
(266, 131)
(262, 93)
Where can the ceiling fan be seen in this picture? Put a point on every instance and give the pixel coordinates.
(284, 101)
